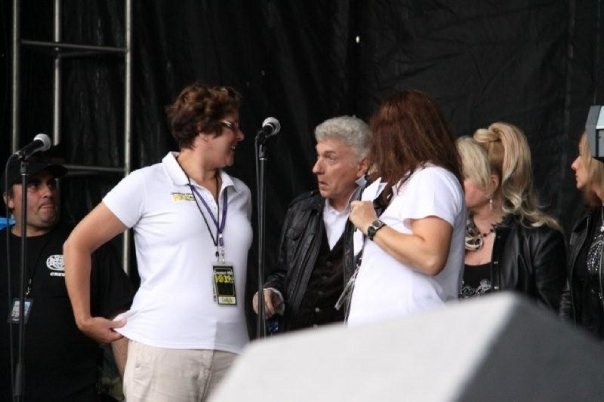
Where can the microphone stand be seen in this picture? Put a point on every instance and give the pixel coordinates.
(20, 370)
(261, 197)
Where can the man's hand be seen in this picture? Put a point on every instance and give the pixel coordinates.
(273, 303)
(101, 329)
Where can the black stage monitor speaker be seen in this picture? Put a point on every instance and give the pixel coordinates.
(496, 348)
(594, 128)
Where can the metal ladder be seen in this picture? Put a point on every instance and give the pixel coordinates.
(59, 50)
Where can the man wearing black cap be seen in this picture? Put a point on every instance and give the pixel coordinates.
(60, 363)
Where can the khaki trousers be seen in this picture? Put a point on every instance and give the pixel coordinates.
(172, 375)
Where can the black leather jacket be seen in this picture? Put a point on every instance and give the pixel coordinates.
(530, 260)
(578, 240)
(301, 237)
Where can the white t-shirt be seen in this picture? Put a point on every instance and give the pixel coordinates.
(174, 306)
(386, 288)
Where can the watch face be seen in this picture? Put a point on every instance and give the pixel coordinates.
(373, 228)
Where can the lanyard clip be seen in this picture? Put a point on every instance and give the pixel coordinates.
(220, 249)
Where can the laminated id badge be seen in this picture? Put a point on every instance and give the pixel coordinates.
(13, 315)
(224, 284)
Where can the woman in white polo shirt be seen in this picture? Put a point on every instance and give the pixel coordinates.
(192, 233)
(414, 247)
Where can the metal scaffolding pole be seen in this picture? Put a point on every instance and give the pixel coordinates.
(16, 38)
(127, 120)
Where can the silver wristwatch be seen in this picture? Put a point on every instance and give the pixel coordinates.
(374, 227)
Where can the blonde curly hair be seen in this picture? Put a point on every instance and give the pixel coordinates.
(509, 157)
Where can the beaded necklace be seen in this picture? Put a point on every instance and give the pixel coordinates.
(474, 240)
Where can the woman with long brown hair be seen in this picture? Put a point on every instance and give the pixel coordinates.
(583, 303)
(413, 251)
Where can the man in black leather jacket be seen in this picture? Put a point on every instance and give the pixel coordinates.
(315, 252)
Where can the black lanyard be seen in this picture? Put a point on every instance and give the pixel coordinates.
(32, 272)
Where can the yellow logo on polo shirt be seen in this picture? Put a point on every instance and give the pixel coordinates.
(182, 197)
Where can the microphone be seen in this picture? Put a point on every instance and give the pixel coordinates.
(270, 127)
(40, 143)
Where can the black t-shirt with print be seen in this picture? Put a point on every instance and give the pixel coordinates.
(60, 362)
(476, 280)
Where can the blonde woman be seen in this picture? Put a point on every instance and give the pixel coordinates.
(583, 303)
(510, 243)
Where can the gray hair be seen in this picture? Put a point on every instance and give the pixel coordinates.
(353, 131)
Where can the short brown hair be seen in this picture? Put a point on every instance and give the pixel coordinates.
(199, 108)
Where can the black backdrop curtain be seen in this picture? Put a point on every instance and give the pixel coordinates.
(535, 63)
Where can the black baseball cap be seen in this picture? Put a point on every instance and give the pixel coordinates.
(12, 174)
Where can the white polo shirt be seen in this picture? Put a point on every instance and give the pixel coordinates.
(174, 306)
(386, 288)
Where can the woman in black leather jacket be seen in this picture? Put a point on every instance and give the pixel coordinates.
(510, 243)
(582, 301)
